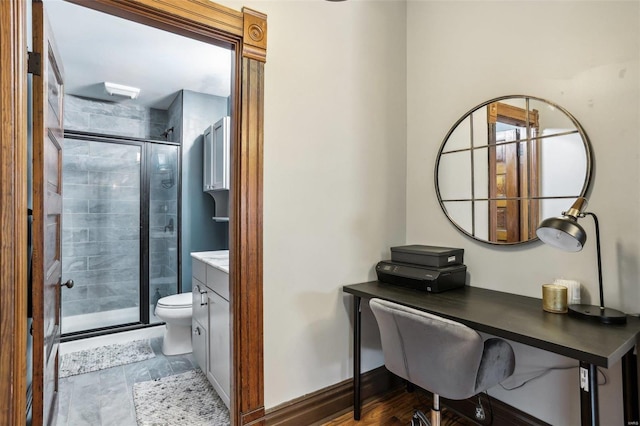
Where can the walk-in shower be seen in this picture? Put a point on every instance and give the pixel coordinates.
(120, 227)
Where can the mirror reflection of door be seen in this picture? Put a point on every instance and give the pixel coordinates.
(513, 171)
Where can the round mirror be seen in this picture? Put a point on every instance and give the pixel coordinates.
(509, 163)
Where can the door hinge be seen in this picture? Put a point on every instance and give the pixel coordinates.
(34, 63)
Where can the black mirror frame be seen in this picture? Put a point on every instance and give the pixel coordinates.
(585, 187)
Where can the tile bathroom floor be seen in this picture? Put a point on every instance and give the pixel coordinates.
(105, 397)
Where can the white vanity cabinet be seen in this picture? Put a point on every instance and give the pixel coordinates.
(211, 322)
(218, 365)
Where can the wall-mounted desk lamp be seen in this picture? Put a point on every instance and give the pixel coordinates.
(566, 234)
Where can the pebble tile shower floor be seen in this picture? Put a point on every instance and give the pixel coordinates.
(105, 397)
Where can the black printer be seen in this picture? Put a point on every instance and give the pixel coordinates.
(427, 268)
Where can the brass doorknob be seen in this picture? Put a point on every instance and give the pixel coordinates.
(69, 284)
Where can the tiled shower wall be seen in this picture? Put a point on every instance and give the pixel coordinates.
(111, 118)
(100, 226)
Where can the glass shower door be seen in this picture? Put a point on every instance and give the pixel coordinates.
(101, 234)
(163, 224)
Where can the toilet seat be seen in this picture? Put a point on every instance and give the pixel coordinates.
(176, 301)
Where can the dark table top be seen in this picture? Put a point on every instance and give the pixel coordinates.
(517, 318)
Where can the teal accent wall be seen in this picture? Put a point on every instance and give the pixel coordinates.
(190, 114)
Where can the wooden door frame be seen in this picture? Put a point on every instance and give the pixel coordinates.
(246, 33)
(13, 212)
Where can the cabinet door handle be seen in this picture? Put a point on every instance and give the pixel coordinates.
(203, 299)
(197, 331)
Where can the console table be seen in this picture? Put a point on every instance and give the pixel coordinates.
(521, 319)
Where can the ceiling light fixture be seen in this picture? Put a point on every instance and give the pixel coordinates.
(114, 89)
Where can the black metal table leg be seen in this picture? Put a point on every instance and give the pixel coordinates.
(630, 389)
(589, 414)
(356, 357)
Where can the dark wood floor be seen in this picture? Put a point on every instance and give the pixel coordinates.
(396, 409)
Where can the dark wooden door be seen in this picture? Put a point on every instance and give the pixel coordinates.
(513, 173)
(47, 209)
(505, 213)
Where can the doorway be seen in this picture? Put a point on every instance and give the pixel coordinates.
(134, 116)
(245, 33)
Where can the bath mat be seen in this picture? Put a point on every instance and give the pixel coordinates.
(184, 399)
(103, 357)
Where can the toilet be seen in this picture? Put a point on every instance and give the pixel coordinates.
(176, 312)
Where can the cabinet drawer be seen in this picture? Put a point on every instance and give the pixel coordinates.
(200, 345)
(218, 281)
(199, 299)
(199, 270)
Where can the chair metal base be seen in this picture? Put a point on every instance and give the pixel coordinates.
(420, 419)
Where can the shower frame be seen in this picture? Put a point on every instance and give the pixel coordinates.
(145, 193)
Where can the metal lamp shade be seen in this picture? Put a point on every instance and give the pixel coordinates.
(563, 233)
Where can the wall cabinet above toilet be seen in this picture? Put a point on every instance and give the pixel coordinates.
(216, 170)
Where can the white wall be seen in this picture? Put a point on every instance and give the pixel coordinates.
(334, 180)
(582, 56)
(348, 112)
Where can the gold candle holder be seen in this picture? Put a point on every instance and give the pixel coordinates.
(554, 298)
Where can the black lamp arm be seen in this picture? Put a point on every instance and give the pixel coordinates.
(595, 220)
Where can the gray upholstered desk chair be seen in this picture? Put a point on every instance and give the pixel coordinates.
(444, 357)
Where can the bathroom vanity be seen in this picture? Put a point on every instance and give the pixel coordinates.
(211, 316)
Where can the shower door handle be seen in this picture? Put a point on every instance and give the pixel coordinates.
(68, 284)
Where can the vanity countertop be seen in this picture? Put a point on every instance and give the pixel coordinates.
(218, 259)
